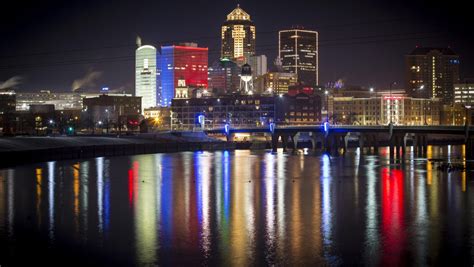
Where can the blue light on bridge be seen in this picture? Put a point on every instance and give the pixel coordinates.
(326, 127)
(227, 129)
(201, 120)
(272, 127)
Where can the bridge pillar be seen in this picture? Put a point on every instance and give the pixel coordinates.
(314, 141)
(230, 137)
(284, 141)
(417, 145)
(469, 147)
(346, 142)
(361, 143)
(425, 145)
(275, 138)
(328, 143)
(391, 144)
(376, 144)
(295, 138)
(337, 143)
(397, 146)
(404, 145)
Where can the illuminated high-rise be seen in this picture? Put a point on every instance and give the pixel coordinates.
(298, 51)
(145, 75)
(186, 62)
(238, 36)
(432, 73)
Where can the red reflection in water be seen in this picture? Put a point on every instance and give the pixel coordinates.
(132, 185)
(392, 216)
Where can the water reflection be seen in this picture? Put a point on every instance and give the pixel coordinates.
(246, 208)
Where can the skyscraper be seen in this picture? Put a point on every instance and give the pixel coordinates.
(224, 77)
(145, 75)
(186, 62)
(238, 36)
(298, 51)
(432, 72)
(258, 64)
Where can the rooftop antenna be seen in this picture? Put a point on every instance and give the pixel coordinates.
(139, 41)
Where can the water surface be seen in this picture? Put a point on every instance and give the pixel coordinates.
(239, 208)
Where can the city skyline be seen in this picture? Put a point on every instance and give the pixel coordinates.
(84, 50)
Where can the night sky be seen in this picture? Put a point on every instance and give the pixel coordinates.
(49, 44)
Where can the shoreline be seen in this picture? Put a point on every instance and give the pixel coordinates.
(22, 151)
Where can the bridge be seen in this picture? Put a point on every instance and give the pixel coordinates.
(331, 138)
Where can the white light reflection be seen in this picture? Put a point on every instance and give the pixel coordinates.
(270, 198)
(372, 231)
(281, 162)
(100, 192)
(84, 195)
(205, 176)
(51, 169)
(326, 181)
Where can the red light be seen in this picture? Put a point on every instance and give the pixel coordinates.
(392, 216)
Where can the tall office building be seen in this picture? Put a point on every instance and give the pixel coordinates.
(186, 62)
(238, 36)
(145, 76)
(432, 73)
(259, 65)
(224, 77)
(298, 51)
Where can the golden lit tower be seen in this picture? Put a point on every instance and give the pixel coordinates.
(238, 36)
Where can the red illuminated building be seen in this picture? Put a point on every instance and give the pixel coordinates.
(186, 62)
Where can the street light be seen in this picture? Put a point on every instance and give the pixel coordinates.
(327, 105)
(391, 115)
(422, 87)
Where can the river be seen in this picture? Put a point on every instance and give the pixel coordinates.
(239, 208)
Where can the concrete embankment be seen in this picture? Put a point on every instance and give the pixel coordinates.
(23, 150)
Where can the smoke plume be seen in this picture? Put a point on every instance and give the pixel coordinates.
(11, 83)
(87, 81)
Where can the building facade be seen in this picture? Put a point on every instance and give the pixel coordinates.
(112, 111)
(237, 110)
(224, 77)
(7, 101)
(275, 82)
(259, 65)
(238, 36)
(464, 94)
(186, 62)
(145, 76)
(298, 51)
(299, 109)
(432, 73)
(383, 109)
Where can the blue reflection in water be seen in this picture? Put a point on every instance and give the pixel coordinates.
(226, 168)
(167, 200)
(106, 198)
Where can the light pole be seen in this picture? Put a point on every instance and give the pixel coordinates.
(390, 106)
(422, 87)
(327, 105)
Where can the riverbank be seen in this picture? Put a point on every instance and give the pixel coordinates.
(23, 150)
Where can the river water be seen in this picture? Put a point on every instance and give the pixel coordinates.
(239, 208)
